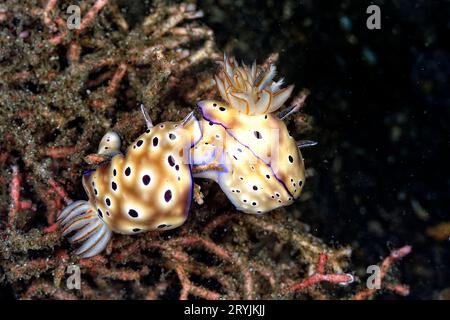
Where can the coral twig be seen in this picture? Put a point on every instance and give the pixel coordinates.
(117, 77)
(58, 152)
(91, 14)
(320, 276)
(16, 204)
(188, 287)
(395, 255)
(47, 12)
(15, 195)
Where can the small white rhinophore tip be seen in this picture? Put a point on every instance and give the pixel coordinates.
(188, 118)
(191, 123)
(306, 143)
(148, 120)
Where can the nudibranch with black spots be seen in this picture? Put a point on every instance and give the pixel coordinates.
(262, 166)
(240, 174)
(148, 188)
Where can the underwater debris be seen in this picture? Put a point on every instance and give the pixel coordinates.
(64, 90)
(439, 232)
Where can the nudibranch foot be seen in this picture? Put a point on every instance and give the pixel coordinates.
(81, 220)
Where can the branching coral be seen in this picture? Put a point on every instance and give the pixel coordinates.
(61, 90)
(60, 94)
(231, 256)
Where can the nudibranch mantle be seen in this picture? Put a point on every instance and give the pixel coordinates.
(248, 182)
(148, 188)
(266, 136)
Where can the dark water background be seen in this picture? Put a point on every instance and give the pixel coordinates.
(381, 105)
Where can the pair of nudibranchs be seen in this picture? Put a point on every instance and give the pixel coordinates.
(240, 144)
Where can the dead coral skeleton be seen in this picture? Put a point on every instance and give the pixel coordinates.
(63, 89)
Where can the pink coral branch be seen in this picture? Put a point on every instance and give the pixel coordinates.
(74, 52)
(187, 287)
(15, 195)
(17, 204)
(61, 36)
(320, 276)
(92, 14)
(47, 11)
(59, 190)
(58, 152)
(117, 77)
(395, 255)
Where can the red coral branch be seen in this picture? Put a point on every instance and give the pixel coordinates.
(187, 287)
(15, 195)
(320, 276)
(47, 12)
(395, 256)
(117, 77)
(61, 36)
(92, 14)
(73, 56)
(59, 190)
(53, 201)
(58, 152)
(211, 246)
(17, 204)
(61, 24)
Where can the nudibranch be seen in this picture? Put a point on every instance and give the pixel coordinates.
(148, 188)
(261, 164)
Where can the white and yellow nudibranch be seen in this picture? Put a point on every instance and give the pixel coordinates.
(262, 167)
(148, 188)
